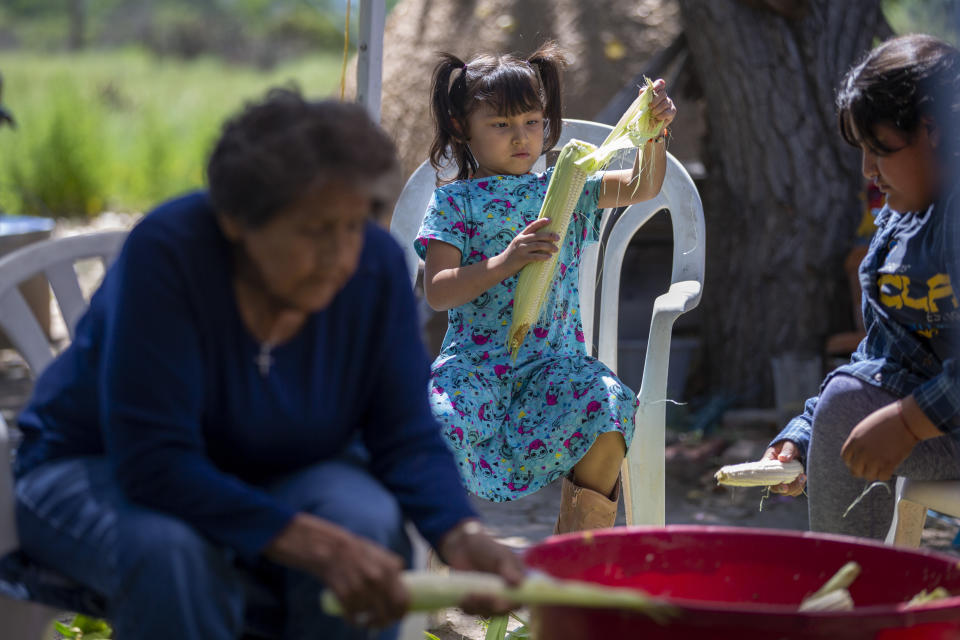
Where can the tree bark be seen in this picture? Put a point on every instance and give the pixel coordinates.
(417, 29)
(781, 197)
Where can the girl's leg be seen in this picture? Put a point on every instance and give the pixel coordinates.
(832, 489)
(345, 493)
(161, 578)
(599, 468)
(589, 497)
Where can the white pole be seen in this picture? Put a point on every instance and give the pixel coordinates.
(373, 15)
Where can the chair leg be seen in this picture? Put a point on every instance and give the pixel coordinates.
(911, 517)
(26, 620)
(626, 491)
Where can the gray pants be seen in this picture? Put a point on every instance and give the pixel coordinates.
(831, 488)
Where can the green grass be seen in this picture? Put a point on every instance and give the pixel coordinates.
(120, 131)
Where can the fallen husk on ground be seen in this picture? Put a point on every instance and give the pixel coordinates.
(431, 591)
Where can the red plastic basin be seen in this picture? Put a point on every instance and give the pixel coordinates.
(741, 583)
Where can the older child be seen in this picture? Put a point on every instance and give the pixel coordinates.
(895, 408)
(515, 426)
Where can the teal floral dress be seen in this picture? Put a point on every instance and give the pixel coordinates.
(515, 426)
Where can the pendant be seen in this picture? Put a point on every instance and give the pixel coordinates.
(263, 359)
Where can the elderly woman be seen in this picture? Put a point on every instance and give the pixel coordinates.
(244, 406)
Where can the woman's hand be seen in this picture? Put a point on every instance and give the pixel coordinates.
(878, 444)
(364, 576)
(662, 107)
(469, 548)
(530, 245)
(785, 451)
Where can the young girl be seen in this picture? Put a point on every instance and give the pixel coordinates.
(893, 409)
(517, 425)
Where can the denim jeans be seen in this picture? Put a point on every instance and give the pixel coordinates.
(162, 579)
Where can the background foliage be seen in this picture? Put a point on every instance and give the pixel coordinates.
(117, 101)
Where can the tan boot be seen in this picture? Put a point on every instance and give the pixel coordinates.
(582, 508)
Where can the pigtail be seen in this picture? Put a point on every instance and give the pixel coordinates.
(548, 61)
(447, 105)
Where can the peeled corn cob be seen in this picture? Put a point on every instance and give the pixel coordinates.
(431, 591)
(533, 286)
(762, 473)
(837, 600)
(833, 595)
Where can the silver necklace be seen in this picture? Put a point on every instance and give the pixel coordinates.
(264, 358)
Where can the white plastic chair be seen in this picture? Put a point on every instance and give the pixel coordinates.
(643, 471)
(55, 260)
(913, 498)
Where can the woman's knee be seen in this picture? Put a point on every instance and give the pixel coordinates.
(161, 544)
(375, 515)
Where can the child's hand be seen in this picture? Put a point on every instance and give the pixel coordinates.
(785, 451)
(662, 106)
(877, 445)
(530, 245)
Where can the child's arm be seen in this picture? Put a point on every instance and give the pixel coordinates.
(626, 187)
(446, 284)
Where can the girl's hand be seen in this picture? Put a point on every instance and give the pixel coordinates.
(662, 106)
(785, 451)
(530, 245)
(878, 444)
(469, 548)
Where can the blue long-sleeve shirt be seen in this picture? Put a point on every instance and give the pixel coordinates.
(162, 378)
(912, 316)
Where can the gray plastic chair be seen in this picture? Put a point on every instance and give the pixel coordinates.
(643, 470)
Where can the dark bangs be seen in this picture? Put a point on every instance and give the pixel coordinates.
(898, 84)
(868, 100)
(509, 90)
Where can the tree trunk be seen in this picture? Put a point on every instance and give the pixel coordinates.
(417, 29)
(781, 197)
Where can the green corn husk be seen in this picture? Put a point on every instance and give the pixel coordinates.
(833, 595)
(577, 161)
(432, 591)
(635, 127)
(925, 596)
(533, 285)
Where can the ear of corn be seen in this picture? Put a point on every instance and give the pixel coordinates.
(432, 591)
(533, 286)
(834, 594)
(576, 162)
(838, 600)
(762, 473)
(635, 127)
(842, 579)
